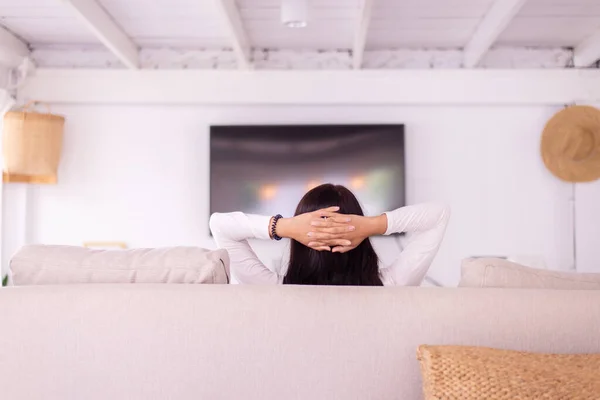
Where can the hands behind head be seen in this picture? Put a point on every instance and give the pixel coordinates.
(327, 230)
(300, 228)
(338, 233)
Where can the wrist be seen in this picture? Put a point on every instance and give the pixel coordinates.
(378, 225)
(282, 228)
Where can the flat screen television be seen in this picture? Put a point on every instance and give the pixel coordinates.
(267, 169)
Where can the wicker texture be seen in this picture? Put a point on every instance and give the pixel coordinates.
(457, 372)
(571, 144)
(31, 146)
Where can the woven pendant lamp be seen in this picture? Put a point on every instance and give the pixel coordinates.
(31, 146)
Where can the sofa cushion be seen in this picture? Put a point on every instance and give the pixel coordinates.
(495, 272)
(462, 372)
(44, 265)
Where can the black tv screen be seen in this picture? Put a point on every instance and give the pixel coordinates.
(267, 169)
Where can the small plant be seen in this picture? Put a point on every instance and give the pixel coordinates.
(5, 280)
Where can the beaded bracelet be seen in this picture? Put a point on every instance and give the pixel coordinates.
(274, 225)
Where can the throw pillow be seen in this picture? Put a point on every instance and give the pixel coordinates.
(457, 372)
(45, 265)
(495, 272)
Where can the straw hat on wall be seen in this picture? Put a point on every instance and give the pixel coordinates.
(571, 144)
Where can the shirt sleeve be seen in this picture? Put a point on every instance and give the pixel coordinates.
(231, 232)
(424, 225)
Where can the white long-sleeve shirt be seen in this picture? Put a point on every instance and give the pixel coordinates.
(424, 225)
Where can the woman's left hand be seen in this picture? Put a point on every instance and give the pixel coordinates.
(355, 229)
(298, 228)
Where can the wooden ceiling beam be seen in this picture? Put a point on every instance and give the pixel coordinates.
(12, 49)
(588, 51)
(491, 26)
(431, 87)
(101, 24)
(239, 39)
(360, 39)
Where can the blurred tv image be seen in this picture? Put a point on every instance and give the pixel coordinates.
(267, 169)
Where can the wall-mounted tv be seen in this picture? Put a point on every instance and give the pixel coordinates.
(267, 169)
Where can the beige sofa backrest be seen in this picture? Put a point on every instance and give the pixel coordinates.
(189, 342)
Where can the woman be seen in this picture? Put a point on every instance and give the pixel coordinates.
(330, 241)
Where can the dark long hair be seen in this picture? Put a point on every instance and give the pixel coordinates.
(358, 266)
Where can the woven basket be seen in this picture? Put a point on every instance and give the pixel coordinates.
(457, 372)
(31, 146)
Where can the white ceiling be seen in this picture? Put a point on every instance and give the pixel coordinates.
(332, 25)
(172, 23)
(43, 22)
(553, 23)
(394, 24)
(424, 23)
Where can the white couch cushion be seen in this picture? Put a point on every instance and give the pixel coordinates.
(44, 265)
(499, 273)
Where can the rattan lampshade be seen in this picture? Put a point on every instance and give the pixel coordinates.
(31, 146)
(571, 144)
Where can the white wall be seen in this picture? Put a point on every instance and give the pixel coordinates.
(3, 77)
(588, 226)
(139, 174)
(5, 103)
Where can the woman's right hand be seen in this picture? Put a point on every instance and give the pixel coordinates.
(301, 228)
(328, 234)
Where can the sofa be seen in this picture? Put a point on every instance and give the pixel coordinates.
(174, 341)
